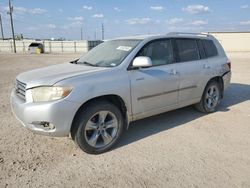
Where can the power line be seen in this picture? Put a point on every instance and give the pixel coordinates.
(1, 23)
(12, 25)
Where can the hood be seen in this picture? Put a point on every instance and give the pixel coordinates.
(53, 74)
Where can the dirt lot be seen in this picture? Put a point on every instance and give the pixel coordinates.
(182, 148)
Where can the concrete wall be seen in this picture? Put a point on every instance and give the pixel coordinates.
(50, 46)
(231, 41)
(234, 41)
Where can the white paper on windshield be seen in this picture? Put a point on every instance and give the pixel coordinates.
(124, 48)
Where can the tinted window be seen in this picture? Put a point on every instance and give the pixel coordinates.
(201, 49)
(187, 50)
(210, 48)
(159, 51)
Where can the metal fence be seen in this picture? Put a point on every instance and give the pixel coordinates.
(50, 46)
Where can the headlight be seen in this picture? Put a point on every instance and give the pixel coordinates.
(43, 94)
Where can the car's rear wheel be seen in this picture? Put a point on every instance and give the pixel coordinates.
(211, 98)
(98, 127)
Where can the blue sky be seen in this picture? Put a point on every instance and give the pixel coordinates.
(55, 19)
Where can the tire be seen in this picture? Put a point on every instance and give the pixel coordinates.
(98, 127)
(211, 98)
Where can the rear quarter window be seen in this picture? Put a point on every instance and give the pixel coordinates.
(210, 48)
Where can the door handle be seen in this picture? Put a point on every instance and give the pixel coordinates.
(139, 79)
(206, 66)
(173, 72)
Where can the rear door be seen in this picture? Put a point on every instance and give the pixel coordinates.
(192, 67)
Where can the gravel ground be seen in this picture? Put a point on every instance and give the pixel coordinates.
(182, 148)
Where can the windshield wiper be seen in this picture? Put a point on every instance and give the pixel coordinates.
(87, 63)
(74, 61)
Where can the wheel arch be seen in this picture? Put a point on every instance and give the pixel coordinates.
(114, 99)
(220, 81)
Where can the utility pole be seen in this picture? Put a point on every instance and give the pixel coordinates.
(12, 25)
(1, 23)
(81, 33)
(102, 32)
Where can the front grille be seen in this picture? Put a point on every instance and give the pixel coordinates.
(20, 89)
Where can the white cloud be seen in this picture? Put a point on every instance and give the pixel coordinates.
(117, 9)
(158, 8)
(77, 18)
(245, 22)
(173, 21)
(36, 11)
(98, 16)
(32, 28)
(196, 9)
(198, 23)
(18, 10)
(60, 10)
(51, 26)
(244, 6)
(186, 28)
(87, 7)
(157, 21)
(139, 21)
(72, 25)
(22, 10)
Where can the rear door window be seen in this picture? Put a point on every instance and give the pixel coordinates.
(186, 50)
(210, 48)
(201, 49)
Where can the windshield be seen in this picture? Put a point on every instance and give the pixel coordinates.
(109, 54)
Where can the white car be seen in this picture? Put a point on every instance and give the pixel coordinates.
(94, 99)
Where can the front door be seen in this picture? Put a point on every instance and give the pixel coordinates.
(154, 89)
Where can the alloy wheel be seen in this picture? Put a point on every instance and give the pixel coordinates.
(212, 97)
(101, 129)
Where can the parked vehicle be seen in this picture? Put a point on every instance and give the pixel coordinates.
(36, 48)
(94, 99)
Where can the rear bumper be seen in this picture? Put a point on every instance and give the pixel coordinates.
(226, 79)
(59, 113)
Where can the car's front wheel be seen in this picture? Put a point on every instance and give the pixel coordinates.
(98, 127)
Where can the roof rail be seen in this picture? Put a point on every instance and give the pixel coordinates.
(190, 34)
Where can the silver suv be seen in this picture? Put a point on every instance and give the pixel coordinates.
(94, 98)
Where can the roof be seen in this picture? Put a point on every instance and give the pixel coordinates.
(172, 34)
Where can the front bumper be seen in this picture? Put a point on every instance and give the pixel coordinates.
(59, 113)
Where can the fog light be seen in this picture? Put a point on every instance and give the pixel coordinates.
(44, 125)
(48, 125)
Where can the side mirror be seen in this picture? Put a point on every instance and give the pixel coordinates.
(142, 61)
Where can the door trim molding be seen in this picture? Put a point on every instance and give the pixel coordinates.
(166, 92)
